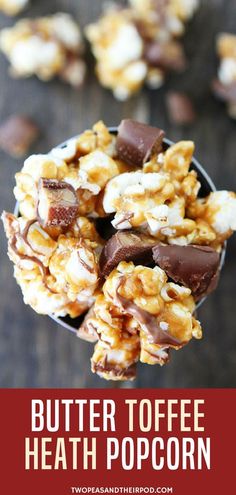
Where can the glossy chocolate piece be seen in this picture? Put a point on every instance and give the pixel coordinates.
(17, 134)
(196, 267)
(168, 56)
(126, 246)
(137, 142)
(180, 108)
(57, 203)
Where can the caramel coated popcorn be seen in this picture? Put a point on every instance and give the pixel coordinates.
(112, 227)
(225, 86)
(12, 7)
(139, 44)
(46, 47)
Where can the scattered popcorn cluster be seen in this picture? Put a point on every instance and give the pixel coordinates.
(112, 227)
(46, 47)
(225, 86)
(139, 44)
(13, 7)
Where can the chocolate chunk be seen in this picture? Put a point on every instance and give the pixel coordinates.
(86, 330)
(17, 134)
(148, 322)
(196, 267)
(114, 371)
(169, 56)
(126, 246)
(57, 203)
(180, 108)
(226, 92)
(136, 142)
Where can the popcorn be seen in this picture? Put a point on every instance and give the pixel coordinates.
(138, 286)
(140, 316)
(46, 47)
(12, 7)
(64, 271)
(136, 45)
(219, 211)
(225, 85)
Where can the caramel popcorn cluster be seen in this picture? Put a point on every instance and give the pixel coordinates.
(112, 227)
(139, 44)
(46, 47)
(225, 86)
(12, 7)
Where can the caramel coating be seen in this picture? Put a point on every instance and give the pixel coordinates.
(137, 313)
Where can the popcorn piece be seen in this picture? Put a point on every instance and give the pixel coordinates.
(136, 194)
(64, 272)
(74, 267)
(57, 203)
(139, 308)
(136, 142)
(35, 167)
(13, 7)
(178, 158)
(17, 134)
(46, 47)
(225, 86)
(219, 210)
(138, 44)
(118, 347)
(98, 167)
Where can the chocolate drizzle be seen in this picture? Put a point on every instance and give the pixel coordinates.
(147, 321)
(44, 271)
(25, 232)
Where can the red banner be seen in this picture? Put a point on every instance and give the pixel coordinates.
(117, 441)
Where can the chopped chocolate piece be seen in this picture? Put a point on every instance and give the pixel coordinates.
(86, 330)
(126, 246)
(114, 370)
(180, 108)
(226, 92)
(17, 134)
(148, 322)
(196, 267)
(136, 142)
(57, 203)
(168, 55)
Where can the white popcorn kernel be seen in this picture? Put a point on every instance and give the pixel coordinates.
(79, 267)
(121, 185)
(66, 31)
(221, 206)
(164, 326)
(13, 7)
(135, 72)
(126, 47)
(66, 152)
(121, 93)
(227, 70)
(157, 218)
(99, 167)
(28, 56)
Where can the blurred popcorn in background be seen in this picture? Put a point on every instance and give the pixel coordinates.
(12, 7)
(46, 47)
(225, 86)
(139, 44)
